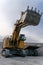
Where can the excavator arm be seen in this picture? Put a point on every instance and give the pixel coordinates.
(28, 17)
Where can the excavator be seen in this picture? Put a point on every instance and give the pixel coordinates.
(15, 44)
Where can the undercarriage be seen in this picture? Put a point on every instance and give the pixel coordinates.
(20, 52)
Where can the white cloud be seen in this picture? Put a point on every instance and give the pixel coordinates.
(32, 35)
(4, 24)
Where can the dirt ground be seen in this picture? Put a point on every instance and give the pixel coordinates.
(29, 60)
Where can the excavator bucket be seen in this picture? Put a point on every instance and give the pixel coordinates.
(30, 17)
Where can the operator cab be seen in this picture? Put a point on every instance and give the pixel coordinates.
(22, 37)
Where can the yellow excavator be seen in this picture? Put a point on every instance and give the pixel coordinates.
(15, 45)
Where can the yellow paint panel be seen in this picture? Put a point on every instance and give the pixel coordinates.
(21, 44)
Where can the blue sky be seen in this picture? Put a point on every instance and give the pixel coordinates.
(10, 12)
